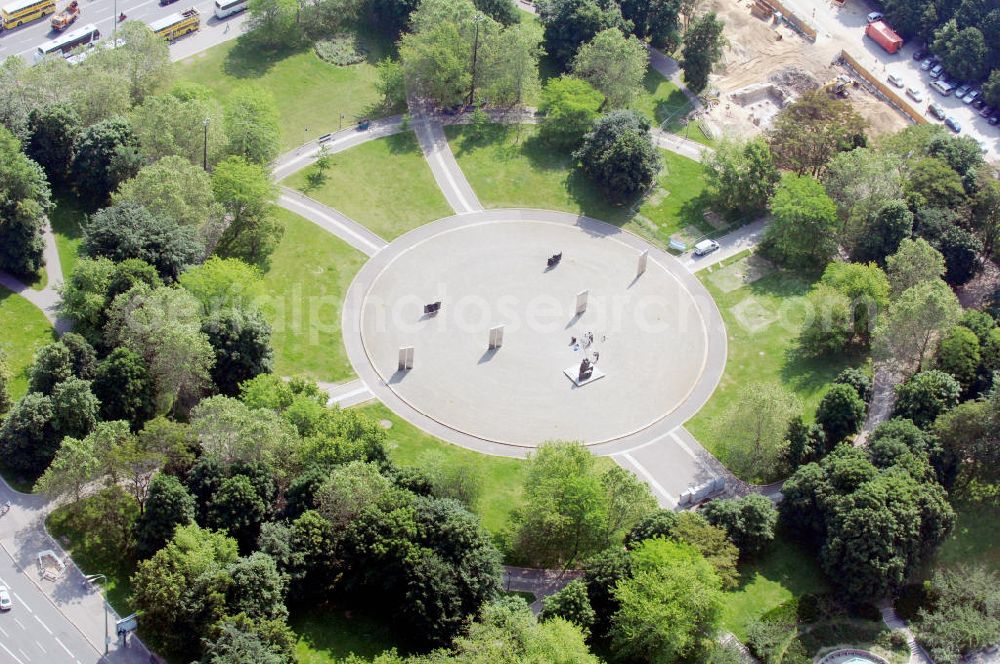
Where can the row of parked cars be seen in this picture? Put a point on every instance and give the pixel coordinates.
(969, 94)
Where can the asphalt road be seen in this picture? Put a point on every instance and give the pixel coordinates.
(103, 13)
(34, 630)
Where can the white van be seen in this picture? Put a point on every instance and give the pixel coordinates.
(705, 247)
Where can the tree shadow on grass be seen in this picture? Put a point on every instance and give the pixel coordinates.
(672, 111)
(403, 143)
(249, 59)
(337, 633)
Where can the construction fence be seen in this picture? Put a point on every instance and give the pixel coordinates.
(881, 89)
(797, 23)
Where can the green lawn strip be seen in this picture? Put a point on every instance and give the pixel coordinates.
(304, 287)
(73, 527)
(666, 106)
(784, 572)
(383, 184)
(974, 540)
(312, 95)
(501, 478)
(765, 351)
(510, 167)
(23, 330)
(328, 636)
(67, 225)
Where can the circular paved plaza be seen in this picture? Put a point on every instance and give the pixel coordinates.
(655, 340)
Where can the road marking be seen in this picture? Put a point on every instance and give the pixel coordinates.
(13, 656)
(68, 651)
(649, 478)
(21, 650)
(20, 624)
(352, 393)
(43, 625)
(4, 632)
(41, 647)
(22, 602)
(684, 446)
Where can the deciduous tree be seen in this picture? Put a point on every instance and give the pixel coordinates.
(703, 44)
(808, 132)
(619, 156)
(804, 230)
(23, 205)
(615, 64)
(571, 106)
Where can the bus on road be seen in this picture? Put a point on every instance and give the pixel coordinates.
(20, 12)
(67, 43)
(177, 25)
(224, 8)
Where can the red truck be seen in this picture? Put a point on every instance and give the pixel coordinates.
(884, 36)
(65, 18)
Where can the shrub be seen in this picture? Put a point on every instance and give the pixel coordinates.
(342, 49)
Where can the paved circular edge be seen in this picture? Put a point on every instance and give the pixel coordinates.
(611, 237)
(716, 347)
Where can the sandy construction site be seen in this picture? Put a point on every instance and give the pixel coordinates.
(767, 65)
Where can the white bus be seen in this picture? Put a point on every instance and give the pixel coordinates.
(67, 43)
(224, 8)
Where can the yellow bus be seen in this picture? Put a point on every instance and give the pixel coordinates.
(177, 25)
(20, 12)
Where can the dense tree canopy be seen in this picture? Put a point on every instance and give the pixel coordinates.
(23, 205)
(619, 156)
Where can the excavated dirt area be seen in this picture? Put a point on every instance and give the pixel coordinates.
(766, 66)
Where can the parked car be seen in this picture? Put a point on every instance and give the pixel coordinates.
(972, 96)
(952, 124)
(920, 54)
(705, 247)
(943, 87)
(994, 119)
(5, 603)
(986, 111)
(936, 71)
(875, 16)
(936, 111)
(979, 104)
(962, 90)
(915, 94)
(896, 80)
(928, 63)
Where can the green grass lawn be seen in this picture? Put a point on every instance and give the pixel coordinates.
(384, 184)
(311, 94)
(304, 285)
(763, 320)
(23, 329)
(501, 478)
(667, 106)
(327, 636)
(974, 539)
(67, 219)
(510, 167)
(784, 572)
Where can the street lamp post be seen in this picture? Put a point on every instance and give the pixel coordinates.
(107, 636)
(204, 154)
(475, 56)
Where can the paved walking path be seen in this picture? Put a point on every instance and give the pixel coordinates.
(347, 394)
(893, 621)
(741, 239)
(46, 299)
(306, 155)
(541, 583)
(332, 221)
(449, 177)
(883, 400)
